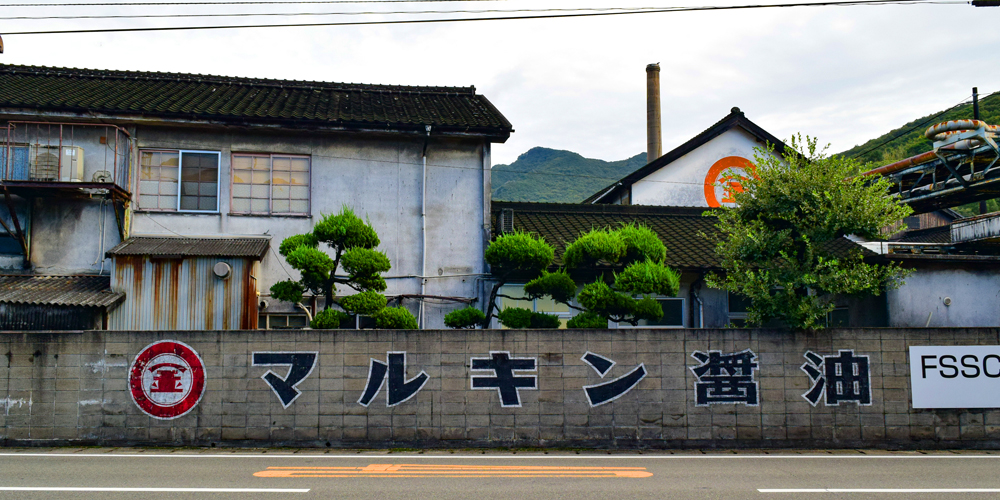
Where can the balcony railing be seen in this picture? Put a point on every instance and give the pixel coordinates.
(85, 158)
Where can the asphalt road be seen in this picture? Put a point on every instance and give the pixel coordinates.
(110, 474)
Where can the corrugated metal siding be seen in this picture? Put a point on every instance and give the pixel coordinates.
(979, 228)
(183, 294)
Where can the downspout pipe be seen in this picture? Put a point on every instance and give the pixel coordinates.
(423, 227)
(696, 298)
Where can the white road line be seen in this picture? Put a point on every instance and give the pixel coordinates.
(155, 490)
(881, 490)
(486, 457)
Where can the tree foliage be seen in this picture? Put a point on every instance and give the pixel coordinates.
(352, 243)
(779, 244)
(395, 318)
(519, 318)
(468, 317)
(515, 254)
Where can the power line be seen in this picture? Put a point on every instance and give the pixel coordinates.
(247, 2)
(845, 3)
(911, 128)
(355, 13)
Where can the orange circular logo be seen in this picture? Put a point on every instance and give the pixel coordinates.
(725, 178)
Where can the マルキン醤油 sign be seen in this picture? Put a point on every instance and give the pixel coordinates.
(955, 376)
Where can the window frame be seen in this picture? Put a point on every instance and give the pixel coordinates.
(270, 187)
(684, 316)
(180, 180)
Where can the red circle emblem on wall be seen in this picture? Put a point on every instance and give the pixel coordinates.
(167, 379)
(724, 178)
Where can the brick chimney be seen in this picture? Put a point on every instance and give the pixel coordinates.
(654, 147)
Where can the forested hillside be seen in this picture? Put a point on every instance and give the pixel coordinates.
(551, 175)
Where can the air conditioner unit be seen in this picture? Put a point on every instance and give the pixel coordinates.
(46, 165)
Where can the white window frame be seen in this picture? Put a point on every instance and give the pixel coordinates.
(684, 316)
(180, 180)
(270, 186)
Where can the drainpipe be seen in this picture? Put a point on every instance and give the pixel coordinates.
(696, 298)
(423, 228)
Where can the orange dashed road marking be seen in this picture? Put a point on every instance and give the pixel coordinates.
(414, 470)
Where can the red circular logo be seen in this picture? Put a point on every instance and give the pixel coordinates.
(725, 178)
(167, 379)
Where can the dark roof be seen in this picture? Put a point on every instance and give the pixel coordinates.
(734, 119)
(247, 101)
(680, 228)
(192, 247)
(938, 234)
(85, 291)
(688, 234)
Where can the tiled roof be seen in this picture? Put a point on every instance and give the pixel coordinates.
(192, 247)
(86, 291)
(939, 234)
(251, 101)
(680, 228)
(688, 234)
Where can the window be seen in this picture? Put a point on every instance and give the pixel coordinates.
(185, 181)
(281, 321)
(270, 184)
(738, 306)
(542, 305)
(838, 318)
(673, 315)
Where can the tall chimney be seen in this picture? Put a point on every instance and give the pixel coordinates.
(654, 149)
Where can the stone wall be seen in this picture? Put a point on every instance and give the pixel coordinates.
(74, 388)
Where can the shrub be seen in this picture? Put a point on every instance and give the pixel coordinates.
(289, 291)
(519, 252)
(520, 318)
(558, 285)
(597, 245)
(588, 320)
(329, 319)
(469, 317)
(641, 243)
(365, 303)
(648, 277)
(395, 318)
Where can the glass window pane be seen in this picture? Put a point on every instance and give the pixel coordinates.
(258, 206)
(281, 163)
(738, 303)
(259, 192)
(241, 204)
(168, 188)
(241, 191)
(299, 193)
(279, 206)
(207, 203)
(280, 178)
(299, 179)
(242, 162)
(149, 187)
(262, 178)
(189, 189)
(514, 291)
(241, 176)
(168, 202)
(279, 192)
(168, 174)
(299, 206)
(300, 164)
(189, 203)
(208, 189)
(547, 305)
(673, 313)
(296, 321)
(262, 163)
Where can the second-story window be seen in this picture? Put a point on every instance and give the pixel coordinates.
(179, 180)
(270, 184)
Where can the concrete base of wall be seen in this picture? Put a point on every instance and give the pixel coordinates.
(74, 389)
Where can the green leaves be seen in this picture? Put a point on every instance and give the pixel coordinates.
(519, 252)
(292, 242)
(593, 247)
(288, 291)
(589, 320)
(520, 318)
(641, 243)
(364, 265)
(329, 319)
(364, 303)
(345, 230)
(468, 317)
(781, 244)
(648, 277)
(557, 285)
(395, 318)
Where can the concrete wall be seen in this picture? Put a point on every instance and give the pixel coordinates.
(380, 178)
(73, 388)
(973, 296)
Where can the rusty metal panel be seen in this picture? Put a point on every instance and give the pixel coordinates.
(984, 227)
(183, 294)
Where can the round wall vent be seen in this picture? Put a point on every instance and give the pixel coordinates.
(222, 270)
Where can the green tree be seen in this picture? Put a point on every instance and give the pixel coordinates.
(778, 244)
(515, 255)
(352, 242)
(634, 255)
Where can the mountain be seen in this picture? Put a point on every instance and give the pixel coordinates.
(552, 175)
(909, 140)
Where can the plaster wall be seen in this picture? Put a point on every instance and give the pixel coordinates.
(974, 298)
(380, 178)
(73, 388)
(681, 183)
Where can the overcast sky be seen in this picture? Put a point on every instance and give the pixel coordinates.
(844, 74)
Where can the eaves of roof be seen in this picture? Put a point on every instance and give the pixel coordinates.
(177, 247)
(735, 118)
(133, 95)
(77, 290)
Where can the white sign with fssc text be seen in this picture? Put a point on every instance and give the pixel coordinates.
(955, 376)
